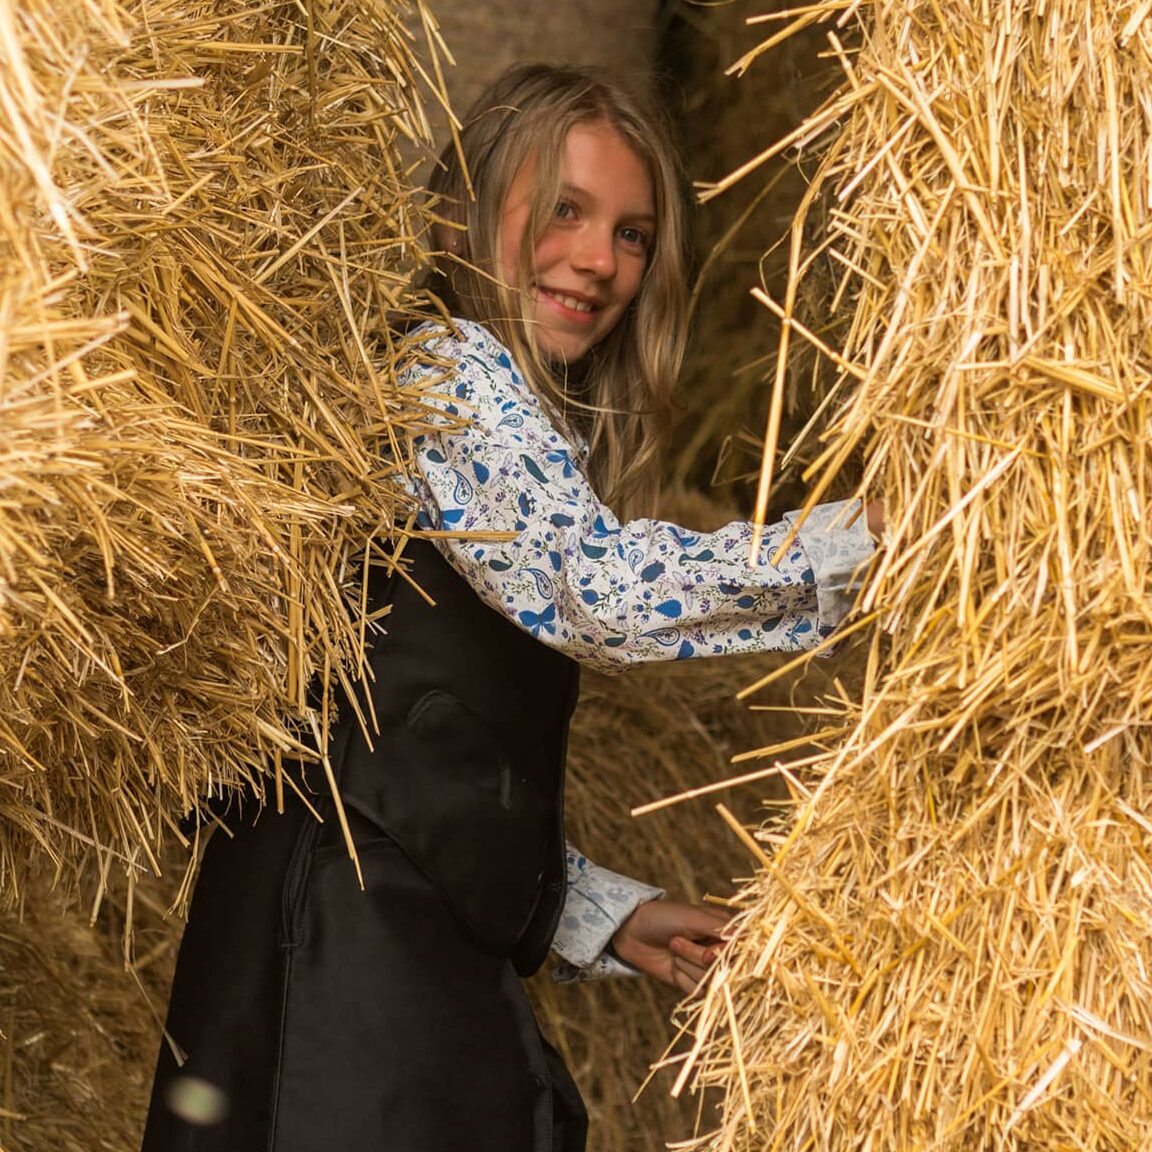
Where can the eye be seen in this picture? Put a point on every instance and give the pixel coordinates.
(564, 210)
(637, 237)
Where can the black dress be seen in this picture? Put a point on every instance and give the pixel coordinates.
(392, 1019)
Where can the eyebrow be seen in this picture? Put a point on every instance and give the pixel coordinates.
(641, 217)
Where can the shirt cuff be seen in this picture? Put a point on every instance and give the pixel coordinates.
(604, 966)
(837, 554)
(598, 902)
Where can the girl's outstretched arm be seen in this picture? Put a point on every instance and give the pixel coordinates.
(608, 593)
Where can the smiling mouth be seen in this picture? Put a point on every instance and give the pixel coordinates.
(575, 303)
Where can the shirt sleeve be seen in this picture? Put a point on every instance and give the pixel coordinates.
(607, 593)
(598, 902)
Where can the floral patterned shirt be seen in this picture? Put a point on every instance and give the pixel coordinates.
(606, 593)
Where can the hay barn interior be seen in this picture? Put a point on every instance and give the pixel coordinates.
(924, 275)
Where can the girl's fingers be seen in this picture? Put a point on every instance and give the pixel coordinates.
(691, 961)
(702, 954)
(688, 975)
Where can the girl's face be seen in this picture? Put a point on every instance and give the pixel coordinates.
(588, 264)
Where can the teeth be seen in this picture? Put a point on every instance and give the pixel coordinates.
(572, 302)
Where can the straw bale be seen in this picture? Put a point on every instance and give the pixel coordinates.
(78, 1036)
(950, 946)
(203, 223)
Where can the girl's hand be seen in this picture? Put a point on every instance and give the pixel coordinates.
(674, 943)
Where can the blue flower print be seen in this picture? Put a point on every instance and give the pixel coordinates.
(569, 572)
(563, 463)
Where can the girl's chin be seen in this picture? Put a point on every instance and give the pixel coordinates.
(562, 347)
(564, 352)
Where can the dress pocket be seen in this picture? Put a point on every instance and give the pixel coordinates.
(473, 821)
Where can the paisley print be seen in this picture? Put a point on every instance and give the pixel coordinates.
(607, 593)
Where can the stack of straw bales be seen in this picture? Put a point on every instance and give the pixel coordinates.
(951, 946)
(204, 218)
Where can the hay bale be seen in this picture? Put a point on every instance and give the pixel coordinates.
(203, 225)
(78, 1033)
(951, 946)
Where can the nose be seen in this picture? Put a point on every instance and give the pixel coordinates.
(594, 252)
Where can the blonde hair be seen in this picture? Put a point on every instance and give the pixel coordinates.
(624, 396)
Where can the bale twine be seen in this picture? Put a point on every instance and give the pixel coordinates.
(950, 946)
(203, 224)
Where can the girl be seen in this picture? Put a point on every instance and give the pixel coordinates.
(319, 1016)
